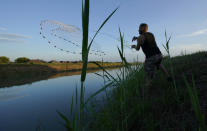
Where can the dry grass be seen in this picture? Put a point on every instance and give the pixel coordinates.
(78, 66)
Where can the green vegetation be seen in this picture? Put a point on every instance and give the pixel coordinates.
(78, 66)
(21, 73)
(4, 60)
(131, 106)
(22, 60)
(78, 117)
(165, 106)
(18, 74)
(59, 66)
(24, 70)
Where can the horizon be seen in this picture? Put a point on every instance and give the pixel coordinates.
(13, 61)
(184, 20)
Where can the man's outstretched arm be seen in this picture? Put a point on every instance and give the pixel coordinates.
(140, 41)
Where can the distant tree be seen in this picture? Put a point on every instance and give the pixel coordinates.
(53, 61)
(36, 61)
(4, 59)
(22, 60)
(75, 62)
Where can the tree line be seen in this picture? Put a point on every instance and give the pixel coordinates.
(5, 60)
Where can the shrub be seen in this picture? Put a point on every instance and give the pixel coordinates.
(22, 60)
(4, 59)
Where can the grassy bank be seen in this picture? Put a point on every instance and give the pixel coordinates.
(164, 106)
(131, 106)
(78, 66)
(18, 74)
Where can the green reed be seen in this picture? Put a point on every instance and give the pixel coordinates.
(167, 49)
(128, 86)
(121, 111)
(192, 91)
(78, 119)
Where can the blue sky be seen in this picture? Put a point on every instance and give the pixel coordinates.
(185, 20)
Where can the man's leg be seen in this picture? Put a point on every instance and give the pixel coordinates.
(148, 81)
(150, 71)
(163, 69)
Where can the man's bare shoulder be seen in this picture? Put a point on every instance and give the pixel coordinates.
(150, 33)
(141, 38)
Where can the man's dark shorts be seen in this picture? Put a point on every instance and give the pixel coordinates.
(151, 64)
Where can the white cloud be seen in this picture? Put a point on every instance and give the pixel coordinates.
(2, 29)
(59, 26)
(13, 36)
(196, 33)
(7, 40)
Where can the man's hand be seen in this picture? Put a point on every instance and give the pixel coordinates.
(134, 46)
(134, 38)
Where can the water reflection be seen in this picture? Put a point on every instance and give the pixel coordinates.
(31, 79)
(24, 107)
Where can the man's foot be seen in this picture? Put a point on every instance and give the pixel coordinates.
(169, 79)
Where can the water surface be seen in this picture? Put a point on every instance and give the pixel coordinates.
(25, 107)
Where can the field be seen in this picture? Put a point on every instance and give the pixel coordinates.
(78, 66)
(18, 74)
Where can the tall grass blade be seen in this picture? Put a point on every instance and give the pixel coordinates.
(123, 58)
(166, 46)
(121, 52)
(166, 35)
(121, 40)
(195, 103)
(98, 74)
(85, 28)
(67, 122)
(105, 71)
(71, 107)
(101, 27)
(99, 91)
